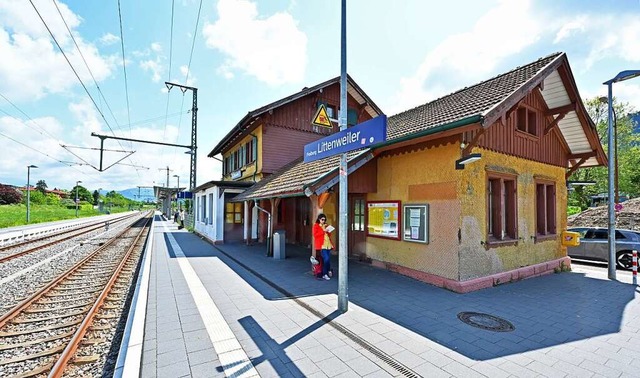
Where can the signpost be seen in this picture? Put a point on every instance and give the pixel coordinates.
(362, 135)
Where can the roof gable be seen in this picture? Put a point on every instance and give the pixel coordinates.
(478, 99)
(246, 122)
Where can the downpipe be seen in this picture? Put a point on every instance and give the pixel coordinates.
(255, 202)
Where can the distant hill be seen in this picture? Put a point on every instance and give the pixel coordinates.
(146, 194)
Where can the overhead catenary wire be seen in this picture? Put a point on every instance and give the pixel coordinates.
(95, 82)
(69, 164)
(164, 132)
(124, 68)
(186, 79)
(74, 71)
(42, 129)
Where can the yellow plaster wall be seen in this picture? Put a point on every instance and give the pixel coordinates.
(475, 259)
(249, 169)
(425, 176)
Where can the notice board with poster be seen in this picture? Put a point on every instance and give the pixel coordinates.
(383, 219)
(416, 223)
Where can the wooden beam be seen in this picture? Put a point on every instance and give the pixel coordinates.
(583, 155)
(473, 142)
(561, 109)
(574, 168)
(554, 123)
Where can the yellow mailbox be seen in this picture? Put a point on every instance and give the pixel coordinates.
(570, 238)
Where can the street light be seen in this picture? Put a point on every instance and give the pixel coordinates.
(29, 190)
(624, 75)
(178, 190)
(77, 184)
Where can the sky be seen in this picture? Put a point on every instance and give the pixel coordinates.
(243, 54)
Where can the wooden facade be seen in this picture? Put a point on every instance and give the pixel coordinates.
(287, 129)
(505, 137)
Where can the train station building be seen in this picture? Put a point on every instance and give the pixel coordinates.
(468, 191)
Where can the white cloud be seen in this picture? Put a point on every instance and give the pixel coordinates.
(109, 39)
(155, 67)
(156, 47)
(31, 65)
(191, 79)
(613, 37)
(273, 49)
(471, 55)
(572, 27)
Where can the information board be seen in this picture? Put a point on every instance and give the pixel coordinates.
(383, 219)
(416, 223)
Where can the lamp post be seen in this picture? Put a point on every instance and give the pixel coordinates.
(29, 191)
(178, 190)
(77, 184)
(624, 75)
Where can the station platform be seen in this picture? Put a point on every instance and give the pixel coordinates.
(229, 310)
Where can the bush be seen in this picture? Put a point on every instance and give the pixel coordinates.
(52, 199)
(9, 195)
(35, 197)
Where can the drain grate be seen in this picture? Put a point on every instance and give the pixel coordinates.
(486, 321)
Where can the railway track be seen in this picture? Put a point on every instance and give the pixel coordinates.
(66, 327)
(13, 251)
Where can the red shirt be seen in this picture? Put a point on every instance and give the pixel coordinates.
(318, 236)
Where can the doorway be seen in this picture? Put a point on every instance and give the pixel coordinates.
(357, 238)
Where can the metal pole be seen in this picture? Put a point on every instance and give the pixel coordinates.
(611, 210)
(343, 269)
(194, 138)
(634, 262)
(77, 199)
(28, 192)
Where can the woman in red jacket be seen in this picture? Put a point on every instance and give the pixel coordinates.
(322, 244)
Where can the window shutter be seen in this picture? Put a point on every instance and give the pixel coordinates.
(255, 150)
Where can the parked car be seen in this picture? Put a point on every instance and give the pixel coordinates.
(594, 245)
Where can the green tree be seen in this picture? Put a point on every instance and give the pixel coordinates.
(628, 154)
(96, 197)
(83, 194)
(41, 186)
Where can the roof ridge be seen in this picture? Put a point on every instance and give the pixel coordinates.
(555, 54)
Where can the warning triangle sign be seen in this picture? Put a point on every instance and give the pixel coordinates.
(322, 118)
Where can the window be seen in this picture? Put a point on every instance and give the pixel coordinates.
(233, 212)
(210, 219)
(203, 213)
(501, 208)
(352, 117)
(250, 151)
(331, 111)
(357, 223)
(527, 120)
(545, 208)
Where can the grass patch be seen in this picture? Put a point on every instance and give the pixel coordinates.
(16, 215)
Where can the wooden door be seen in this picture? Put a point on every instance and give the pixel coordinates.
(303, 222)
(233, 220)
(357, 239)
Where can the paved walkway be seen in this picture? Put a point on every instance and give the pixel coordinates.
(230, 310)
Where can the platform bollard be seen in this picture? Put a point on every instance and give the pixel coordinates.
(634, 266)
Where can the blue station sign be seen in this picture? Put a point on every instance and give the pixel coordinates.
(361, 135)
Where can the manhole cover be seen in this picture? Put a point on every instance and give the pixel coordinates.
(486, 321)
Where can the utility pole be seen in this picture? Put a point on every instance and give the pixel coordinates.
(194, 129)
(343, 269)
(168, 170)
